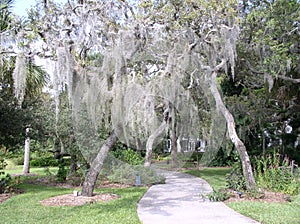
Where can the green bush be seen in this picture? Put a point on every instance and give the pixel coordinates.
(3, 164)
(235, 180)
(18, 160)
(6, 184)
(126, 173)
(128, 156)
(220, 195)
(5, 180)
(44, 161)
(274, 174)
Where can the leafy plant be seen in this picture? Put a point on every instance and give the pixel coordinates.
(273, 174)
(6, 184)
(235, 180)
(44, 161)
(62, 172)
(126, 173)
(129, 156)
(3, 164)
(5, 180)
(219, 195)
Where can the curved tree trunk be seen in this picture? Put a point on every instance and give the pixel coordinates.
(174, 159)
(154, 136)
(151, 140)
(92, 174)
(246, 165)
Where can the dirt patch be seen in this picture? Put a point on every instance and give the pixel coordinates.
(5, 196)
(71, 200)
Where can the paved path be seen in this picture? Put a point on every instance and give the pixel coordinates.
(179, 201)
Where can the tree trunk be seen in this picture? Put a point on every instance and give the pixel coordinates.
(151, 140)
(246, 165)
(92, 175)
(174, 160)
(26, 165)
(73, 164)
(139, 146)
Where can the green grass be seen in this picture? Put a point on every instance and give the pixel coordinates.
(26, 207)
(266, 213)
(270, 213)
(12, 168)
(33, 170)
(214, 176)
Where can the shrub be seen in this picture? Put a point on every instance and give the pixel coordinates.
(3, 164)
(126, 173)
(5, 180)
(235, 180)
(128, 156)
(62, 172)
(17, 160)
(220, 195)
(44, 161)
(273, 174)
(6, 184)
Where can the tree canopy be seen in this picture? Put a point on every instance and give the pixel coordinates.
(142, 70)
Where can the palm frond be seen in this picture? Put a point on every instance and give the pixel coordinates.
(36, 79)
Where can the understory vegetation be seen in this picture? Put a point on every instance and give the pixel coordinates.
(264, 212)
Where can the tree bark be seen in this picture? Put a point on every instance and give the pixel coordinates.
(26, 166)
(246, 164)
(92, 175)
(174, 160)
(151, 140)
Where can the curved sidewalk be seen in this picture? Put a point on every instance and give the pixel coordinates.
(179, 201)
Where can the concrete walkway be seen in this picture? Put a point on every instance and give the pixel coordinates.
(179, 201)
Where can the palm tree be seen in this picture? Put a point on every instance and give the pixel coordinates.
(33, 76)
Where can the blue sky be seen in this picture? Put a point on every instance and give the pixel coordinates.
(20, 6)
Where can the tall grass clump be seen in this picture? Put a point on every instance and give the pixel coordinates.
(274, 173)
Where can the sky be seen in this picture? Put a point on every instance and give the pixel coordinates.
(20, 6)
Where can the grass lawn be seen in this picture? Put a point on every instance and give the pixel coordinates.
(26, 207)
(214, 176)
(33, 170)
(270, 213)
(266, 213)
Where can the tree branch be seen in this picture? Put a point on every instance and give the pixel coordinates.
(252, 69)
(288, 79)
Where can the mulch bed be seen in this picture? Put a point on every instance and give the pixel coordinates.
(71, 200)
(68, 199)
(266, 197)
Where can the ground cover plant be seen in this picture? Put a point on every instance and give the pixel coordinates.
(269, 210)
